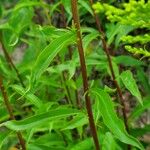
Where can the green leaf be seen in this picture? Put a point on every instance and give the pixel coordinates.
(26, 4)
(111, 120)
(17, 23)
(10, 39)
(54, 7)
(114, 30)
(13, 40)
(125, 29)
(3, 136)
(5, 70)
(77, 121)
(138, 110)
(115, 68)
(4, 113)
(86, 144)
(128, 61)
(1, 10)
(67, 6)
(47, 55)
(86, 6)
(138, 132)
(37, 120)
(108, 89)
(88, 38)
(29, 96)
(5, 26)
(21, 19)
(109, 142)
(143, 78)
(87, 30)
(50, 139)
(37, 146)
(130, 84)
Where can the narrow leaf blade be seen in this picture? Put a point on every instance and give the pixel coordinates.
(130, 84)
(111, 120)
(36, 120)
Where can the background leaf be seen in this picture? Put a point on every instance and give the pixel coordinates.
(130, 84)
(138, 110)
(36, 120)
(47, 55)
(111, 120)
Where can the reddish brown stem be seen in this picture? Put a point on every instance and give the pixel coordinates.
(106, 49)
(84, 73)
(10, 111)
(10, 63)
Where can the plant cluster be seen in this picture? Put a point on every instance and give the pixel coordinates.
(66, 82)
(135, 15)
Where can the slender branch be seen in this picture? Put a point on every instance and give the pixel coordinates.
(84, 73)
(106, 49)
(78, 103)
(10, 63)
(10, 111)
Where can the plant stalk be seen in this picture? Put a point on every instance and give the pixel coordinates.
(11, 64)
(106, 49)
(84, 73)
(10, 111)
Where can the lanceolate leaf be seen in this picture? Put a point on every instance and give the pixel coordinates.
(86, 6)
(114, 30)
(26, 4)
(48, 54)
(88, 38)
(29, 96)
(36, 120)
(130, 84)
(109, 142)
(128, 61)
(111, 120)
